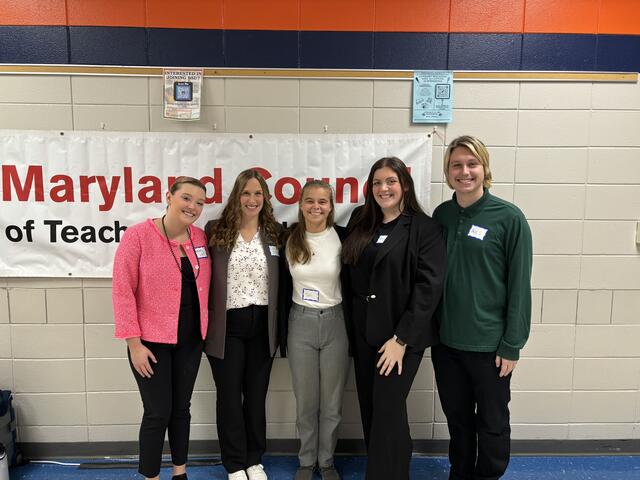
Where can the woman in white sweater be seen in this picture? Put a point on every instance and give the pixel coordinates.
(314, 335)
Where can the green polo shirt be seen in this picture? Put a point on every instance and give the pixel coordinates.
(486, 304)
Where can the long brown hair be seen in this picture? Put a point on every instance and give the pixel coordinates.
(369, 217)
(225, 229)
(297, 246)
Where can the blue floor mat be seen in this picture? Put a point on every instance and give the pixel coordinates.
(352, 468)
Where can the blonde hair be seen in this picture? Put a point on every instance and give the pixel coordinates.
(477, 149)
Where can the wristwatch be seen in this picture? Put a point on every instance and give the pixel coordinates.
(399, 342)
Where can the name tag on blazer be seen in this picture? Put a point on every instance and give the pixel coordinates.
(274, 251)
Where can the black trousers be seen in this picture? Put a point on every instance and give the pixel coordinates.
(383, 407)
(166, 398)
(475, 401)
(242, 381)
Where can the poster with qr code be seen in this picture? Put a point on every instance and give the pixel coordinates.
(432, 96)
(182, 93)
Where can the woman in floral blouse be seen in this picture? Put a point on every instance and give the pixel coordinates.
(242, 337)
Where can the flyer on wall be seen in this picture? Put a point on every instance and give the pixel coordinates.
(432, 96)
(182, 93)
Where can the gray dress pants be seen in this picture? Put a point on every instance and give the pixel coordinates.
(318, 351)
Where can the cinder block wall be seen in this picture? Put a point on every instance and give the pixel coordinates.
(567, 153)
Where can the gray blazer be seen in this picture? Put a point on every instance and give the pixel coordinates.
(215, 341)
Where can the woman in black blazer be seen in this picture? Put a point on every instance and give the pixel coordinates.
(242, 337)
(396, 259)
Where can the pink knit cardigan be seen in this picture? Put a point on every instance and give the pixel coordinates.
(147, 283)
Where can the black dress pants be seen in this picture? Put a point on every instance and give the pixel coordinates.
(383, 407)
(242, 381)
(166, 398)
(475, 401)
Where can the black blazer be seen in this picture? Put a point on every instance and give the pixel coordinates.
(216, 332)
(286, 292)
(406, 283)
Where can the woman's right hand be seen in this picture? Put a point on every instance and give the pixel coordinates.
(140, 356)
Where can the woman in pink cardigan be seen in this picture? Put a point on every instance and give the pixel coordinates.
(161, 276)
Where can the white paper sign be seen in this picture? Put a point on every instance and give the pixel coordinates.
(65, 200)
(182, 93)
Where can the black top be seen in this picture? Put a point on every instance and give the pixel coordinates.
(189, 319)
(360, 273)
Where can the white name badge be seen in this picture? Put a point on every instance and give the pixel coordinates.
(274, 251)
(201, 252)
(310, 295)
(381, 238)
(477, 232)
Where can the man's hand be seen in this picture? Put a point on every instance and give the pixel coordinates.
(505, 366)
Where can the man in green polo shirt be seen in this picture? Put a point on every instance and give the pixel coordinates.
(484, 315)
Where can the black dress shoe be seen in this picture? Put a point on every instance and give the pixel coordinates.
(182, 476)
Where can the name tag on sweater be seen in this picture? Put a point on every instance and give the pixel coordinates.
(310, 295)
(477, 232)
(201, 252)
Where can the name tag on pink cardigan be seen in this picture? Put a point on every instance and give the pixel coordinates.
(201, 252)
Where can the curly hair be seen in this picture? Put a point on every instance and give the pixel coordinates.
(225, 230)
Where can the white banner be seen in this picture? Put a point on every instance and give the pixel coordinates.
(66, 198)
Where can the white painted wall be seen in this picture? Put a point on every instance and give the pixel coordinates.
(567, 153)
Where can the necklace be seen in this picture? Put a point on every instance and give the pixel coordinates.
(175, 259)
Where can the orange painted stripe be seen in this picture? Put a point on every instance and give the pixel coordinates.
(494, 16)
(184, 14)
(577, 16)
(112, 13)
(337, 15)
(619, 16)
(488, 16)
(32, 12)
(261, 15)
(411, 16)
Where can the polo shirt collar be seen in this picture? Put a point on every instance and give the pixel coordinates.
(475, 207)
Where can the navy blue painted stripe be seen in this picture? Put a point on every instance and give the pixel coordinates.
(559, 52)
(317, 49)
(484, 51)
(336, 50)
(413, 51)
(618, 53)
(262, 48)
(33, 44)
(185, 48)
(108, 45)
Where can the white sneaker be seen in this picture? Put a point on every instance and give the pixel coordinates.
(239, 475)
(256, 472)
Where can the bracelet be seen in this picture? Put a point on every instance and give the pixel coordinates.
(399, 342)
